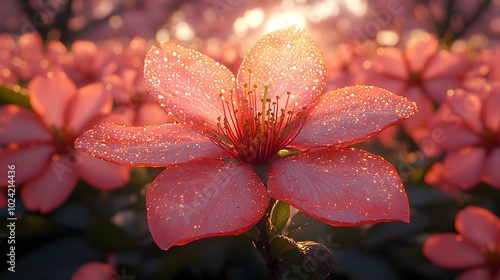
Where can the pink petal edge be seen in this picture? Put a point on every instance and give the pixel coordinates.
(351, 115)
(155, 145)
(51, 188)
(288, 61)
(346, 187)
(219, 199)
(196, 99)
(451, 251)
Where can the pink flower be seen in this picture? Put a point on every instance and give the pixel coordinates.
(27, 57)
(272, 121)
(422, 73)
(40, 143)
(476, 247)
(95, 271)
(87, 64)
(467, 127)
(135, 106)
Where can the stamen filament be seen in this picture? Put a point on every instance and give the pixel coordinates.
(263, 112)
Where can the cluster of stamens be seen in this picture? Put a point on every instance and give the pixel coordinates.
(252, 135)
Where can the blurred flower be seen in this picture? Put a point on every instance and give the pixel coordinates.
(343, 65)
(467, 127)
(95, 271)
(422, 73)
(41, 141)
(86, 63)
(276, 104)
(134, 106)
(476, 247)
(27, 57)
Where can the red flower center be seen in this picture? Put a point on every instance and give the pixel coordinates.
(258, 128)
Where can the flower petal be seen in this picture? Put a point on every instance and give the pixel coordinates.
(21, 126)
(204, 198)
(448, 131)
(490, 113)
(437, 89)
(452, 251)
(50, 97)
(340, 186)
(148, 113)
(23, 159)
(95, 271)
(390, 62)
(288, 61)
(51, 188)
(479, 226)
(446, 64)
(155, 145)
(468, 107)
(435, 178)
(101, 174)
(464, 167)
(351, 115)
(90, 101)
(419, 50)
(491, 174)
(476, 274)
(187, 83)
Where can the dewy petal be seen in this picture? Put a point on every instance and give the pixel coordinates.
(90, 101)
(288, 61)
(186, 83)
(155, 145)
(479, 226)
(351, 115)
(49, 97)
(204, 198)
(51, 188)
(20, 125)
(340, 186)
(465, 166)
(101, 174)
(452, 251)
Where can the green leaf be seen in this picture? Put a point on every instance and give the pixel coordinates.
(317, 256)
(298, 221)
(279, 216)
(11, 96)
(280, 245)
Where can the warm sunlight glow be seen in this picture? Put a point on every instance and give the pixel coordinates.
(183, 31)
(356, 7)
(321, 10)
(252, 19)
(387, 38)
(280, 20)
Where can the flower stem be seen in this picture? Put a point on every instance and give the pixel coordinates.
(264, 247)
